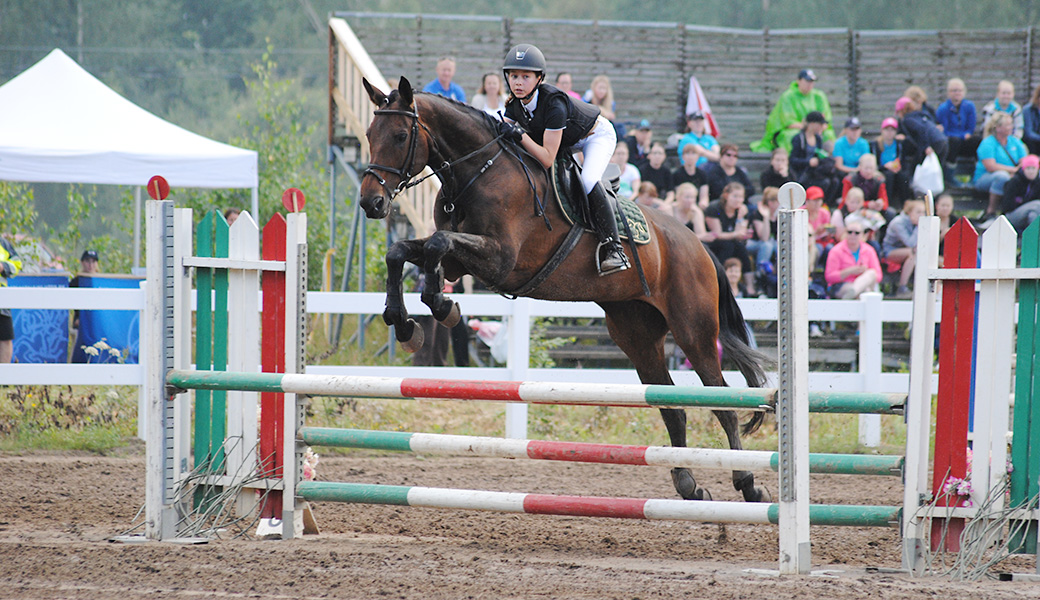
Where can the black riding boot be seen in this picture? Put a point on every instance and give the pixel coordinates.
(609, 254)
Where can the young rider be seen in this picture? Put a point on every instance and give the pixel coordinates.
(545, 120)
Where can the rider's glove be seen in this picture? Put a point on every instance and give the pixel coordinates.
(510, 131)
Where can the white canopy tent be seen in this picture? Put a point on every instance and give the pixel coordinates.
(58, 123)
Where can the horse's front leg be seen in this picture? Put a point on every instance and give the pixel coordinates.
(405, 330)
(482, 256)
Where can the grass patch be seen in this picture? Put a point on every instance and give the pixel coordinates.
(86, 418)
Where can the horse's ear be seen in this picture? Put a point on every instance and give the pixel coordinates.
(378, 98)
(405, 89)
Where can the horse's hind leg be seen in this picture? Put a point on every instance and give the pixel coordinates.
(639, 330)
(405, 330)
(701, 350)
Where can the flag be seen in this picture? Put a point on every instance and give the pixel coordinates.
(696, 100)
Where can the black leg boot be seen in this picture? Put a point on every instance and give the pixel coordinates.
(609, 254)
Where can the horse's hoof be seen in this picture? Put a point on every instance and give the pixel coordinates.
(763, 495)
(701, 494)
(686, 485)
(454, 316)
(415, 342)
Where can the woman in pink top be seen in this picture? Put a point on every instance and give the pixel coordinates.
(852, 265)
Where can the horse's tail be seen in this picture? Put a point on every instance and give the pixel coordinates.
(736, 345)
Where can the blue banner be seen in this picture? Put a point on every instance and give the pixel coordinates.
(108, 336)
(40, 336)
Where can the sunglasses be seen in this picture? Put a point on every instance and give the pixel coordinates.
(853, 232)
(731, 154)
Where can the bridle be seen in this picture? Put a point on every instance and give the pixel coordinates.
(405, 172)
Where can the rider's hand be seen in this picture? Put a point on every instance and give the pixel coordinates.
(511, 131)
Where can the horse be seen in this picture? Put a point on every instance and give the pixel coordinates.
(496, 218)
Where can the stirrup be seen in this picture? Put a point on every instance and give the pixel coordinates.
(614, 261)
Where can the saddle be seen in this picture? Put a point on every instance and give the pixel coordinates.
(566, 178)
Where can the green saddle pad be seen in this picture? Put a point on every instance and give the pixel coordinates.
(564, 186)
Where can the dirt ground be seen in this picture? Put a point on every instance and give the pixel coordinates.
(58, 511)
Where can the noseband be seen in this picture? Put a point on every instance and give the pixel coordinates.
(405, 172)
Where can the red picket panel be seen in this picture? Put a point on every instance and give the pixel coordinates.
(956, 333)
(272, 360)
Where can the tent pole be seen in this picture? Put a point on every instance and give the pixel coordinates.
(137, 227)
(256, 203)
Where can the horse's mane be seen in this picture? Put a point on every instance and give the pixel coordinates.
(490, 122)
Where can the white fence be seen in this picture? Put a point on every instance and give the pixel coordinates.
(870, 312)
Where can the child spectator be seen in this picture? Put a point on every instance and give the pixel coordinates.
(727, 219)
(688, 172)
(648, 197)
(734, 273)
(657, 173)
(947, 219)
(956, 118)
(629, 181)
(778, 172)
(1005, 103)
(639, 143)
(819, 219)
(900, 244)
(706, 146)
(727, 171)
(854, 204)
(1021, 203)
(689, 212)
(852, 265)
(762, 219)
(850, 147)
(810, 163)
(890, 156)
(868, 180)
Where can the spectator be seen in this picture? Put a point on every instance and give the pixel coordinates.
(790, 112)
(726, 171)
(734, 273)
(491, 97)
(565, 82)
(629, 180)
(999, 154)
(868, 180)
(706, 146)
(889, 151)
(649, 198)
(230, 215)
(1031, 122)
(655, 171)
(601, 94)
(810, 163)
(1021, 203)
(727, 219)
(920, 98)
(443, 84)
(850, 147)
(688, 172)
(10, 265)
(90, 263)
(1005, 102)
(778, 172)
(689, 212)
(920, 130)
(852, 265)
(855, 204)
(947, 219)
(819, 219)
(900, 244)
(762, 220)
(639, 143)
(956, 118)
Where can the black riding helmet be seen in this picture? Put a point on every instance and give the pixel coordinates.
(524, 57)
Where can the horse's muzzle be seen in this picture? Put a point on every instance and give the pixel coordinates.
(375, 207)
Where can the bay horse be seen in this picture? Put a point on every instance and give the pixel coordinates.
(497, 219)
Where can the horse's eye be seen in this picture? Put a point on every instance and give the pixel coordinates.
(400, 138)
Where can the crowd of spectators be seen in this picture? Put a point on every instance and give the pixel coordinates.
(855, 183)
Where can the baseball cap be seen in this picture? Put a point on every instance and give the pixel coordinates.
(815, 117)
(814, 192)
(644, 124)
(853, 123)
(694, 115)
(902, 102)
(1031, 161)
(890, 122)
(807, 74)
(89, 255)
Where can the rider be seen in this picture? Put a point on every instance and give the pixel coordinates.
(552, 120)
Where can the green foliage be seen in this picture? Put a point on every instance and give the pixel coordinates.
(541, 345)
(19, 212)
(40, 412)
